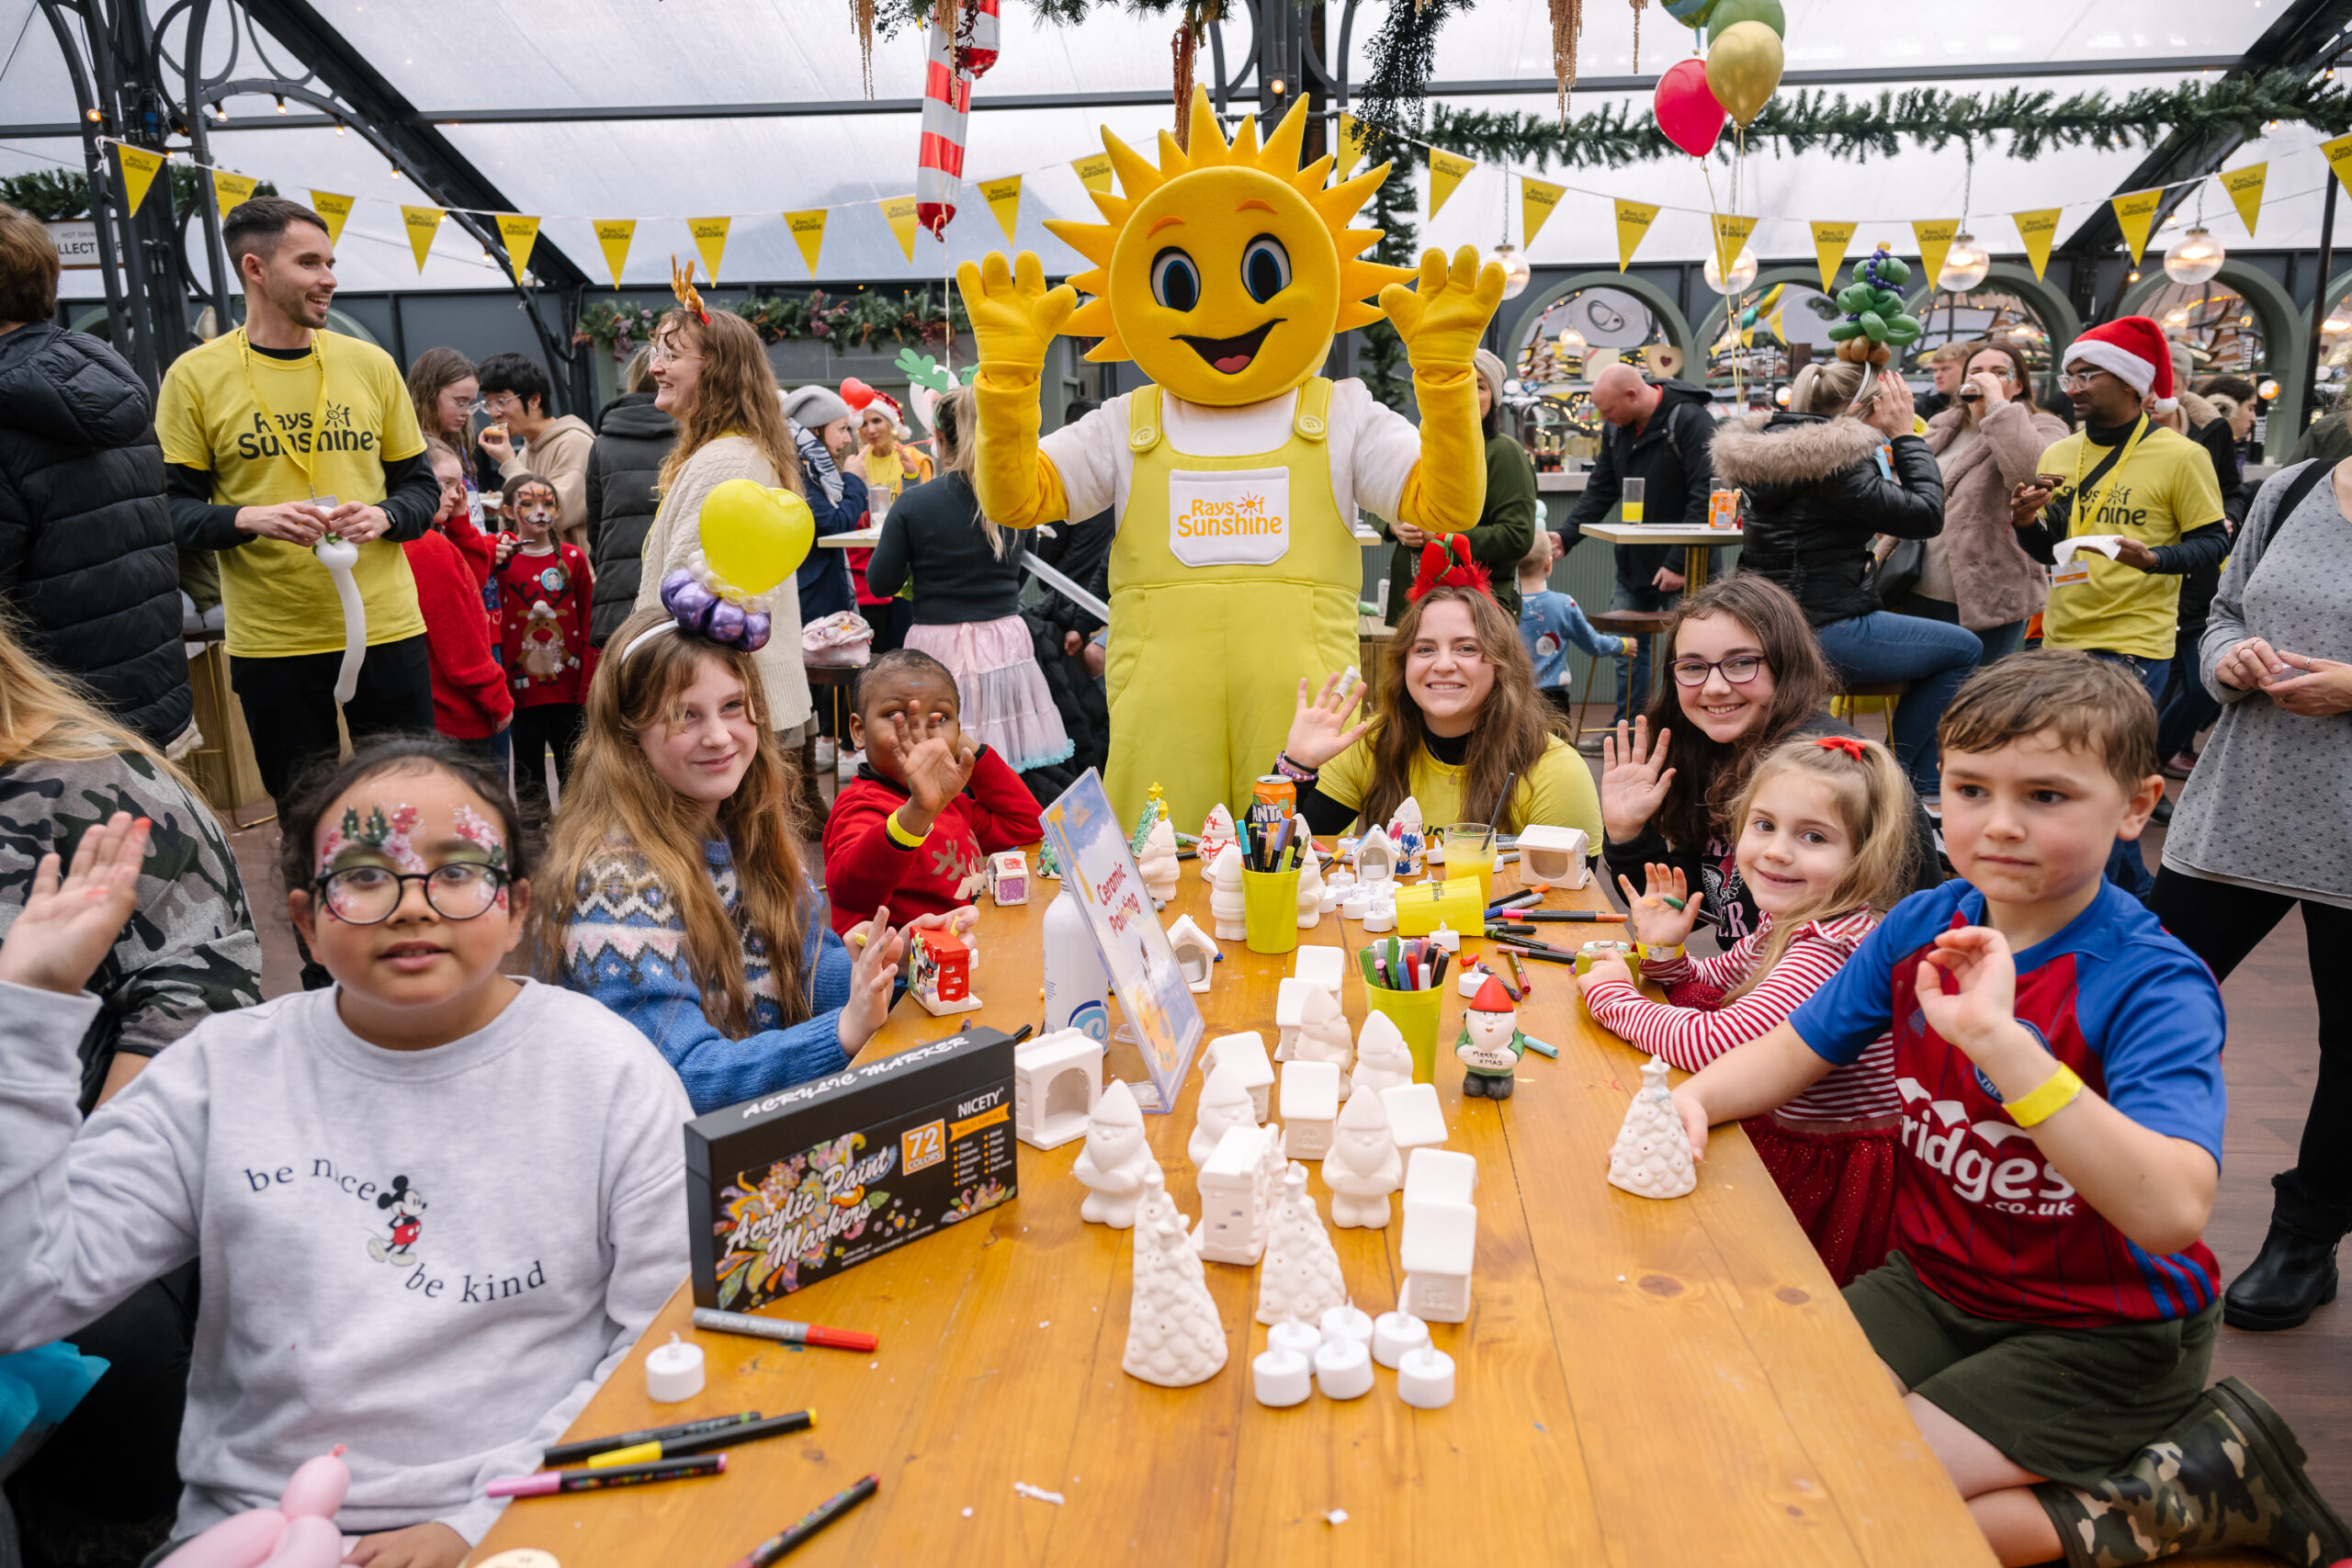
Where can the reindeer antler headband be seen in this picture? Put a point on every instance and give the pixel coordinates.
(682, 283)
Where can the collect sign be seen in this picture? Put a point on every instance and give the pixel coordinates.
(76, 239)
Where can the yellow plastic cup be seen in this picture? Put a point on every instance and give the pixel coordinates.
(1269, 908)
(1470, 851)
(1415, 1014)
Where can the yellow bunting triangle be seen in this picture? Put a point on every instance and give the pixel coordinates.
(2035, 230)
(1446, 170)
(139, 166)
(333, 210)
(2245, 186)
(1094, 172)
(900, 211)
(809, 232)
(422, 223)
(1536, 203)
(613, 237)
(711, 239)
(520, 234)
(1935, 240)
(1003, 197)
(1829, 242)
(2134, 211)
(229, 189)
(1730, 238)
(2339, 158)
(1350, 152)
(1634, 219)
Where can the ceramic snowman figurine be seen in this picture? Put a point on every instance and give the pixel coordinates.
(1216, 834)
(1310, 882)
(1227, 910)
(1363, 1166)
(1159, 864)
(1383, 1059)
(1323, 1035)
(1652, 1154)
(1490, 1043)
(1407, 832)
(1225, 1103)
(1112, 1164)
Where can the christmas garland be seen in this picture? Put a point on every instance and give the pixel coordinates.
(56, 195)
(860, 320)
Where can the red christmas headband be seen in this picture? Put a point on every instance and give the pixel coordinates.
(1440, 569)
(1850, 744)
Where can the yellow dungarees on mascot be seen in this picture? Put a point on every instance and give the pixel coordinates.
(1225, 274)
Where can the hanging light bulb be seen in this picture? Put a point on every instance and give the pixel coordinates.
(1742, 273)
(1780, 396)
(1965, 266)
(2268, 391)
(1572, 341)
(1515, 269)
(2194, 257)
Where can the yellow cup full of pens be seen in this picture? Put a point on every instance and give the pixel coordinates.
(1270, 885)
(1406, 990)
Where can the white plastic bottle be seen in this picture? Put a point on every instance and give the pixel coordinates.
(1078, 989)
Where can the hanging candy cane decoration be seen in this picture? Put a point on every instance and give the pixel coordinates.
(962, 47)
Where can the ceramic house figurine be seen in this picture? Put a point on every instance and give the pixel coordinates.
(1301, 1277)
(1490, 1043)
(1241, 1187)
(1223, 1103)
(1406, 832)
(1415, 1118)
(1227, 911)
(1310, 884)
(1375, 859)
(1323, 1035)
(1363, 1166)
(1290, 1012)
(1652, 1154)
(1442, 1176)
(1008, 878)
(1196, 956)
(1158, 864)
(1439, 1241)
(1383, 1059)
(1216, 834)
(1112, 1164)
(1319, 966)
(1057, 1078)
(940, 973)
(1311, 1105)
(1174, 1338)
(1556, 855)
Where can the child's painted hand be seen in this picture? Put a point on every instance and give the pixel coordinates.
(67, 928)
(873, 963)
(1976, 1008)
(1603, 971)
(936, 768)
(1319, 730)
(1634, 776)
(419, 1546)
(1656, 921)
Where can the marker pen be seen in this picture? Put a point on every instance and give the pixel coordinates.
(588, 1448)
(817, 1518)
(783, 1330)
(549, 1482)
(672, 1448)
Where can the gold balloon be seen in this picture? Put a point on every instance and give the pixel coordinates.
(1743, 68)
(754, 537)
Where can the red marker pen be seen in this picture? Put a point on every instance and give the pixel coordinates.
(783, 1330)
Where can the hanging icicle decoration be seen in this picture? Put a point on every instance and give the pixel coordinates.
(861, 21)
(1568, 28)
(1638, 6)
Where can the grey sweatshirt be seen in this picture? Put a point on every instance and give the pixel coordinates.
(2270, 805)
(431, 1257)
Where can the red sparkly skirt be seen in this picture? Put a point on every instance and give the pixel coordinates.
(1840, 1186)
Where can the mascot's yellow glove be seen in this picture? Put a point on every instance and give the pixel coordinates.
(1014, 319)
(1440, 321)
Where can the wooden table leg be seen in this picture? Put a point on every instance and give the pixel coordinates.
(1694, 568)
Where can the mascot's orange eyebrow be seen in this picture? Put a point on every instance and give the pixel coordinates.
(1161, 224)
(1253, 204)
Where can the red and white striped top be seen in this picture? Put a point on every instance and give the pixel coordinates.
(1690, 1038)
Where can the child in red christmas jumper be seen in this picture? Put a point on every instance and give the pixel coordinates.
(928, 806)
(471, 703)
(544, 591)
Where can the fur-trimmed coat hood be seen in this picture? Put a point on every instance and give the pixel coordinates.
(1761, 451)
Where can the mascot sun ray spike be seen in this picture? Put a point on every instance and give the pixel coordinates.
(1225, 273)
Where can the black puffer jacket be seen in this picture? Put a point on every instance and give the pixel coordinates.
(1816, 494)
(632, 438)
(87, 552)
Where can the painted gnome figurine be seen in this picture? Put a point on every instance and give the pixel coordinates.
(1112, 1164)
(1216, 834)
(1174, 1336)
(1310, 881)
(1323, 1035)
(1300, 1277)
(1490, 1043)
(1226, 909)
(1224, 1105)
(1158, 864)
(1409, 834)
(1383, 1059)
(1363, 1166)
(1651, 1158)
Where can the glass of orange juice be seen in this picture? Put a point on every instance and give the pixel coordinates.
(1470, 850)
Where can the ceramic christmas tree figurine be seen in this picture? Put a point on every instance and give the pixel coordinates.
(1300, 1277)
(1156, 1209)
(1112, 1164)
(1225, 1102)
(1049, 865)
(1363, 1166)
(1155, 812)
(1310, 883)
(1216, 834)
(1652, 1154)
(1383, 1059)
(1490, 1043)
(1409, 836)
(1174, 1338)
(1323, 1035)
(1227, 910)
(1157, 863)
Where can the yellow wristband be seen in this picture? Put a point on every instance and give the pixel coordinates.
(2057, 1092)
(899, 834)
(1650, 952)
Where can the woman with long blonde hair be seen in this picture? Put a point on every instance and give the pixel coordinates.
(677, 892)
(711, 376)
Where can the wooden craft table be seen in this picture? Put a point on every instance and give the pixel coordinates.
(1697, 540)
(1639, 1383)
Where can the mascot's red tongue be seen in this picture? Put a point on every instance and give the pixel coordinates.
(1233, 364)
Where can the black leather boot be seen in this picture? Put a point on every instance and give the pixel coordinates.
(2294, 1274)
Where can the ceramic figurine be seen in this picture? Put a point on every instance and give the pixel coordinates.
(1415, 1118)
(1442, 1176)
(1227, 910)
(940, 973)
(1247, 1052)
(1196, 956)
(1049, 865)
(1407, 834)
(1223, 1103)
(1310, 1104)
(1556, 855)
(1375, 859)
(1490, 1043)
(1363, 1166)
(1240, 1188)
(1320, 966)
(1174, 1336)
(1301, 1275)
(1008, 878)
(1112, 1164)
(1290, 1012)
(1652, 1154)
(1310, 883)
(1216, 834)
(1323, 1035)
(1383, 1059)
(1057, 1079)
(1157, 864)
(1155, 812)
(1439, 1241)
(1156, 1209)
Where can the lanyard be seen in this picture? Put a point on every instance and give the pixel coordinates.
(2131, 444)
(307, 462)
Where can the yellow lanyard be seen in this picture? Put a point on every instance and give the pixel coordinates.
(2083, 515)
(306, 462)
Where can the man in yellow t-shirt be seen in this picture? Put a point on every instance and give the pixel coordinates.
(274, 437)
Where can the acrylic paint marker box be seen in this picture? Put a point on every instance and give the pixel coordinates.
(795, 1187)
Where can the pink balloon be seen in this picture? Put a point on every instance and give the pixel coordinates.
(308, 1542)
(239, 1541)
(317, 1487)
(1686, 107)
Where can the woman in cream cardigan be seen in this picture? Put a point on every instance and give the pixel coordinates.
(713, 378)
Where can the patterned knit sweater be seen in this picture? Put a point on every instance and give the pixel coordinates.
(625, 945)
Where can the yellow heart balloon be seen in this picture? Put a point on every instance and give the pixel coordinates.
(754, 537)
(1743, 68)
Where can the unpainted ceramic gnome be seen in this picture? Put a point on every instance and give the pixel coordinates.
(1158, 865)
(1112, 1164)
(1490, 1043)
(1323, 1035)
(1383, 1059)
(1300, 1277)
(1227, 910)
(1225, 1102)
(1310, 882)
(1652, 1154)
(1216, 834)
(1174, 1338)
(1407, 832)
(1363, 1166)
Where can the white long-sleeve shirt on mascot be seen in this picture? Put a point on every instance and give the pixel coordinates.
(431, 1256)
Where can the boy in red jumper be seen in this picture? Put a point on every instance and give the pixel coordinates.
(470, 699)
(544, 591)
(917, 826)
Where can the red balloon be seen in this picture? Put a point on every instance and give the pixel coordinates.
(1686, 107)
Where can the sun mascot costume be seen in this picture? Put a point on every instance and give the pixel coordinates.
(1225, 273)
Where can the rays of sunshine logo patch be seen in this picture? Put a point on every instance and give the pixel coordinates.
(1239, 518)
(1207, 519)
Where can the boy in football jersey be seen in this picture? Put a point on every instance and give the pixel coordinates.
(2049, 1310)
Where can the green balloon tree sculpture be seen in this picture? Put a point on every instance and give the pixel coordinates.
(1875, 324)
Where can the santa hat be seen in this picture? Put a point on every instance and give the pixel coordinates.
(887, 406)
(2133, 349)
(1492, 998)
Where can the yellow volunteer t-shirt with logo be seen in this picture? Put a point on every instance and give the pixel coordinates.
(253, 420)
(1559, 791)
(2163, 490)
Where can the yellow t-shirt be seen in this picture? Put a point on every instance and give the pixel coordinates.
(2164, 491)
(1557, 791)
(278, 599)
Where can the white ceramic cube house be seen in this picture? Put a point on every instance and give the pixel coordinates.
(1196, 955)
(1320, 966)
(1056, 1080)
(1556, 855)
(1246, 1051)
(1290, 1012)
(1439, 1241)
(1441, 1176)
(1310, 1104)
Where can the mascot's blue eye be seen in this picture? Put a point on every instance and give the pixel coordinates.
(1265, 268)
(1175, 281)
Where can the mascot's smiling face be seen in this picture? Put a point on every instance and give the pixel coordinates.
(1226, 271)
